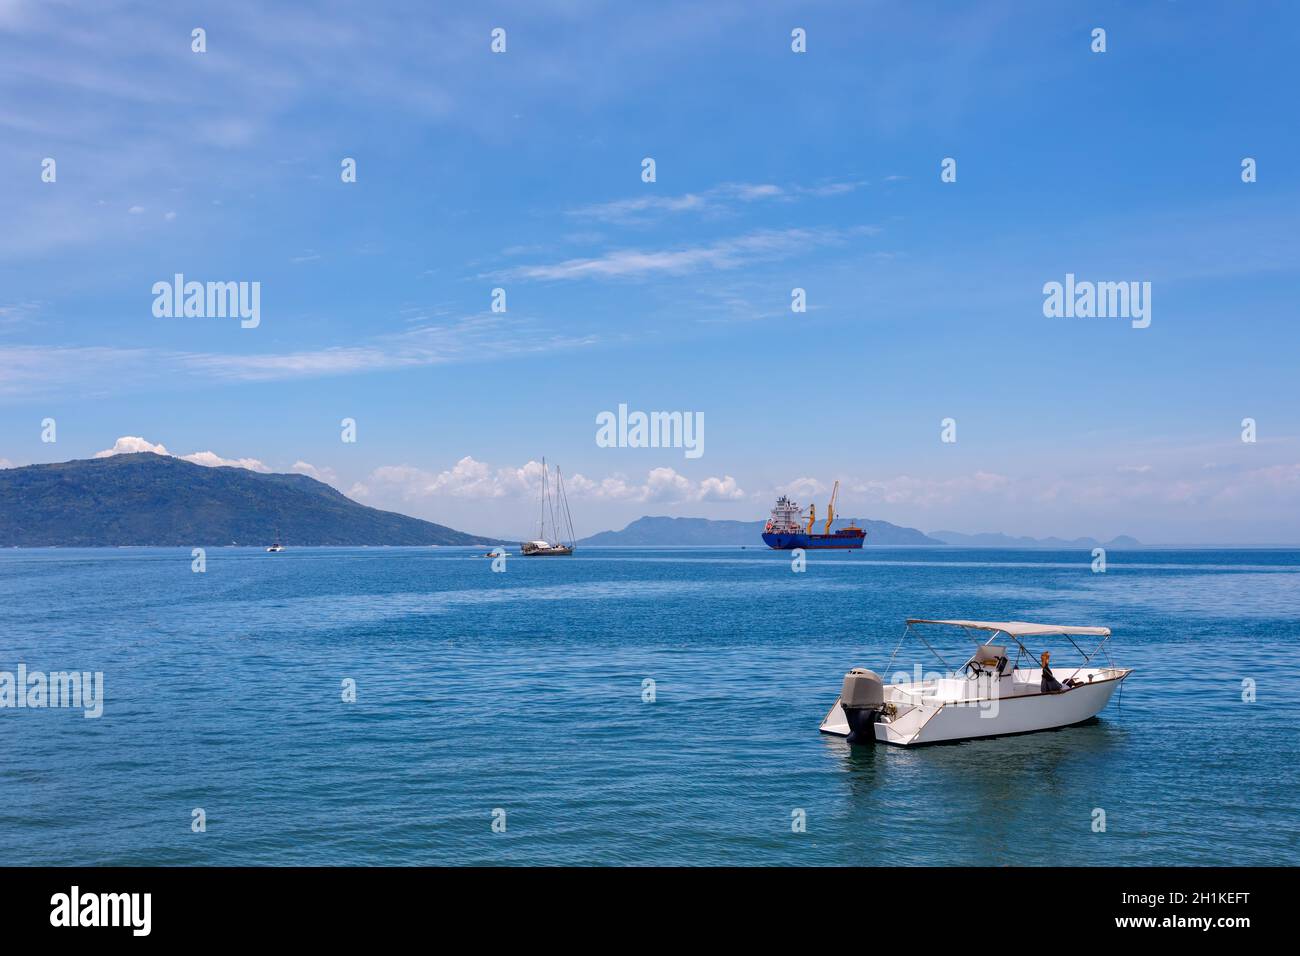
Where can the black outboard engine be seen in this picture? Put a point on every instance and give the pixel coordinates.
(863, 700)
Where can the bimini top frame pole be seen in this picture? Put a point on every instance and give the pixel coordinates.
(906, 631)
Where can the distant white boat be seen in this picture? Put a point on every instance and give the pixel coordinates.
(556, 506)
(988, 696)
(277, 547)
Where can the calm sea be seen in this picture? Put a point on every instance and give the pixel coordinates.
(522, 692)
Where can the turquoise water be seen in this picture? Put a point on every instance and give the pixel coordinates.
(523, 691)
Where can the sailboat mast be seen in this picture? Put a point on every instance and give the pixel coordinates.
(550, 501)
(564, 503)
(541, 533)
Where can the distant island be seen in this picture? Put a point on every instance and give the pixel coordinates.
(667, 532)
(997, 540)
(147, 499)
(680, 532)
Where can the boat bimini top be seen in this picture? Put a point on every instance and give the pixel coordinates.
(1019, 628)
(1014, 630)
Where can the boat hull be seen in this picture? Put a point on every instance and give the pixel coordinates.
(949, 721)
(555, 551)
(814, 542)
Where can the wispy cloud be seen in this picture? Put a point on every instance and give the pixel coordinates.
(1139, 490)
(18, 314)
(27, 370)
(653, 204)
(755, 247)
(477, 338)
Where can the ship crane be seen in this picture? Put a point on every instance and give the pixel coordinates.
(830, 508)
(812, 517)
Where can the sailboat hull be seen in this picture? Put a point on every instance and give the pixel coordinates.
(530, 550)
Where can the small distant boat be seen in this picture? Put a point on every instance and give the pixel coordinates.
(556, 507)
(786, 529)
(990, 695)
(277, 547)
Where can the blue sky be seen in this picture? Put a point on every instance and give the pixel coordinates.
(775, 170)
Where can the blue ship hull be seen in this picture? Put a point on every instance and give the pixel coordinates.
(814, 542)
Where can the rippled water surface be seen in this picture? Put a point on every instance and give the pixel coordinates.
(523, 691)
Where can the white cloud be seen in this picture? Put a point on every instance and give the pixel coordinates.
(665, 484)
(466, 479)
(928, 492)
(326, 475)
(131, 444)
(803, 488)
(720, 489)
(469, 478)
(212, 460)
(6, 463)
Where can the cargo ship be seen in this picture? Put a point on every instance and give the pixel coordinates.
(787, 530)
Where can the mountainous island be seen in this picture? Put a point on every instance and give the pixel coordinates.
(148, 499)
(669, 532)
(998, 540)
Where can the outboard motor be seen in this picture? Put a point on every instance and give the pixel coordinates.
(863, 699)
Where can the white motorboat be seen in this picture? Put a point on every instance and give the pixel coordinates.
(990, 695)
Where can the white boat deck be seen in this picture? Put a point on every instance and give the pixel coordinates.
(1021, 682)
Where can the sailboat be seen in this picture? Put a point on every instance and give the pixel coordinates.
(277, 547)
(555, 505)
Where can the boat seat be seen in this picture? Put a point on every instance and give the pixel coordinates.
(992, 659)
